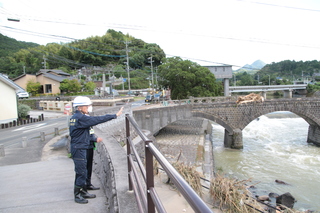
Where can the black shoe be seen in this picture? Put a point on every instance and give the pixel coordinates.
(85, 194)
(91, 187)
(78, 197)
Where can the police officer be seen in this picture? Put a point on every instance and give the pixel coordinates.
(79, 130)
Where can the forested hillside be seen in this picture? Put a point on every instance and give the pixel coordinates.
(109, 51)
(291, 69)
(9, 46)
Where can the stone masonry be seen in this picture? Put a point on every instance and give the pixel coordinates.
(234, 118)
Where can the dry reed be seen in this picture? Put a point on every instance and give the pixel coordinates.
(232, 195)
(191, 175)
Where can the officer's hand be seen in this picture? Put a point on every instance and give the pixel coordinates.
(99, 140)
(120, 112)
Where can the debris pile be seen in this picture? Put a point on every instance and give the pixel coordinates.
(252, 97)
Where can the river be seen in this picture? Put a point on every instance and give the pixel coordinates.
(274, 148)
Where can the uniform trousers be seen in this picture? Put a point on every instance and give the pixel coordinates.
(79, 157)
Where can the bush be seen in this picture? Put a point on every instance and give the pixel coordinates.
(23, 110)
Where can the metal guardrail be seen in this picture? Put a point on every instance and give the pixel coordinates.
(267, 88)
(145, 193)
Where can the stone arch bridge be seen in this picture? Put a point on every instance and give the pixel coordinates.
(234, 118)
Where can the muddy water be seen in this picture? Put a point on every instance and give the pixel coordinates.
(274, 148)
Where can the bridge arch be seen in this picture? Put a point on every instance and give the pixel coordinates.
(309, 118)
(237, 117)
(234, 118)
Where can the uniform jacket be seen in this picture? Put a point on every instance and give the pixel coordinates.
(80, 128)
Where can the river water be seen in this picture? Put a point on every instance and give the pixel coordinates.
(274, 148)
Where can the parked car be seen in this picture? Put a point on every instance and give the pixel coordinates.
(157, 97)
(23, 94)
(149, 98)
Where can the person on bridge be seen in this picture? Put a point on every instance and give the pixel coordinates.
(79, 131)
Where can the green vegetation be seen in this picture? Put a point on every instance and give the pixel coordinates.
(109, 53)
(186, 78)
(9, 46)
(23, 110)
(313, 87)
(284, 72)
(33, 87)
(70, 86)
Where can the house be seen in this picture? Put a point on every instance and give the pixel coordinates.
(49, 80)
(316, 77)
(8, 101)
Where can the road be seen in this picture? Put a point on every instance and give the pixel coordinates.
(15, 153)
(12, 137)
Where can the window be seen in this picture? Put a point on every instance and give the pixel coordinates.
(48, 88)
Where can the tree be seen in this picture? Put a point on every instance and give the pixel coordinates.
(245, 79)
(186, 78)
(23, 110)
(90, 86)
(33, 87)
(70, 86)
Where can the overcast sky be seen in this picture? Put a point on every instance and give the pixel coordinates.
(235, 32)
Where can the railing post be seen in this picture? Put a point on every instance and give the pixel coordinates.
(128, 150)
(149, 176)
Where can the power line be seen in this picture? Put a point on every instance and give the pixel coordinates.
(283, 6)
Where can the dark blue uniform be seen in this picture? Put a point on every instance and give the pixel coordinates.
(80, 141)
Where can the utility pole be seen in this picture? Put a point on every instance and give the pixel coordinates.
(128, 68)
(156, 69)
(151, 72)
(24, 70)
(44, 63)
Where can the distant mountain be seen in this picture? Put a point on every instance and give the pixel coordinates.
(10, 45)
(258, 64)
(255, 66)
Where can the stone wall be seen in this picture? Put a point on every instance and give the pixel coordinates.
(314, 135)
(188, 141)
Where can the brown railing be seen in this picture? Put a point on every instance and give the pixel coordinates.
(142, 183)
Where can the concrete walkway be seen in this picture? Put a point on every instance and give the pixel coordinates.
(47, 185)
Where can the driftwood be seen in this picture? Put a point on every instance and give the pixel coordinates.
(252, 97)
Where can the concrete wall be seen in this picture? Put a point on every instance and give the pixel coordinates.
(155, 119)
(110, 163)
(23, 81)
(54, 84)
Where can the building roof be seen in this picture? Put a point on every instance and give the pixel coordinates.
(10, 83)
(54, 77)
(21, 76)
(56, 72)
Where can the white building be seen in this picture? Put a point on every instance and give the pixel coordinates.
(8, 99)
